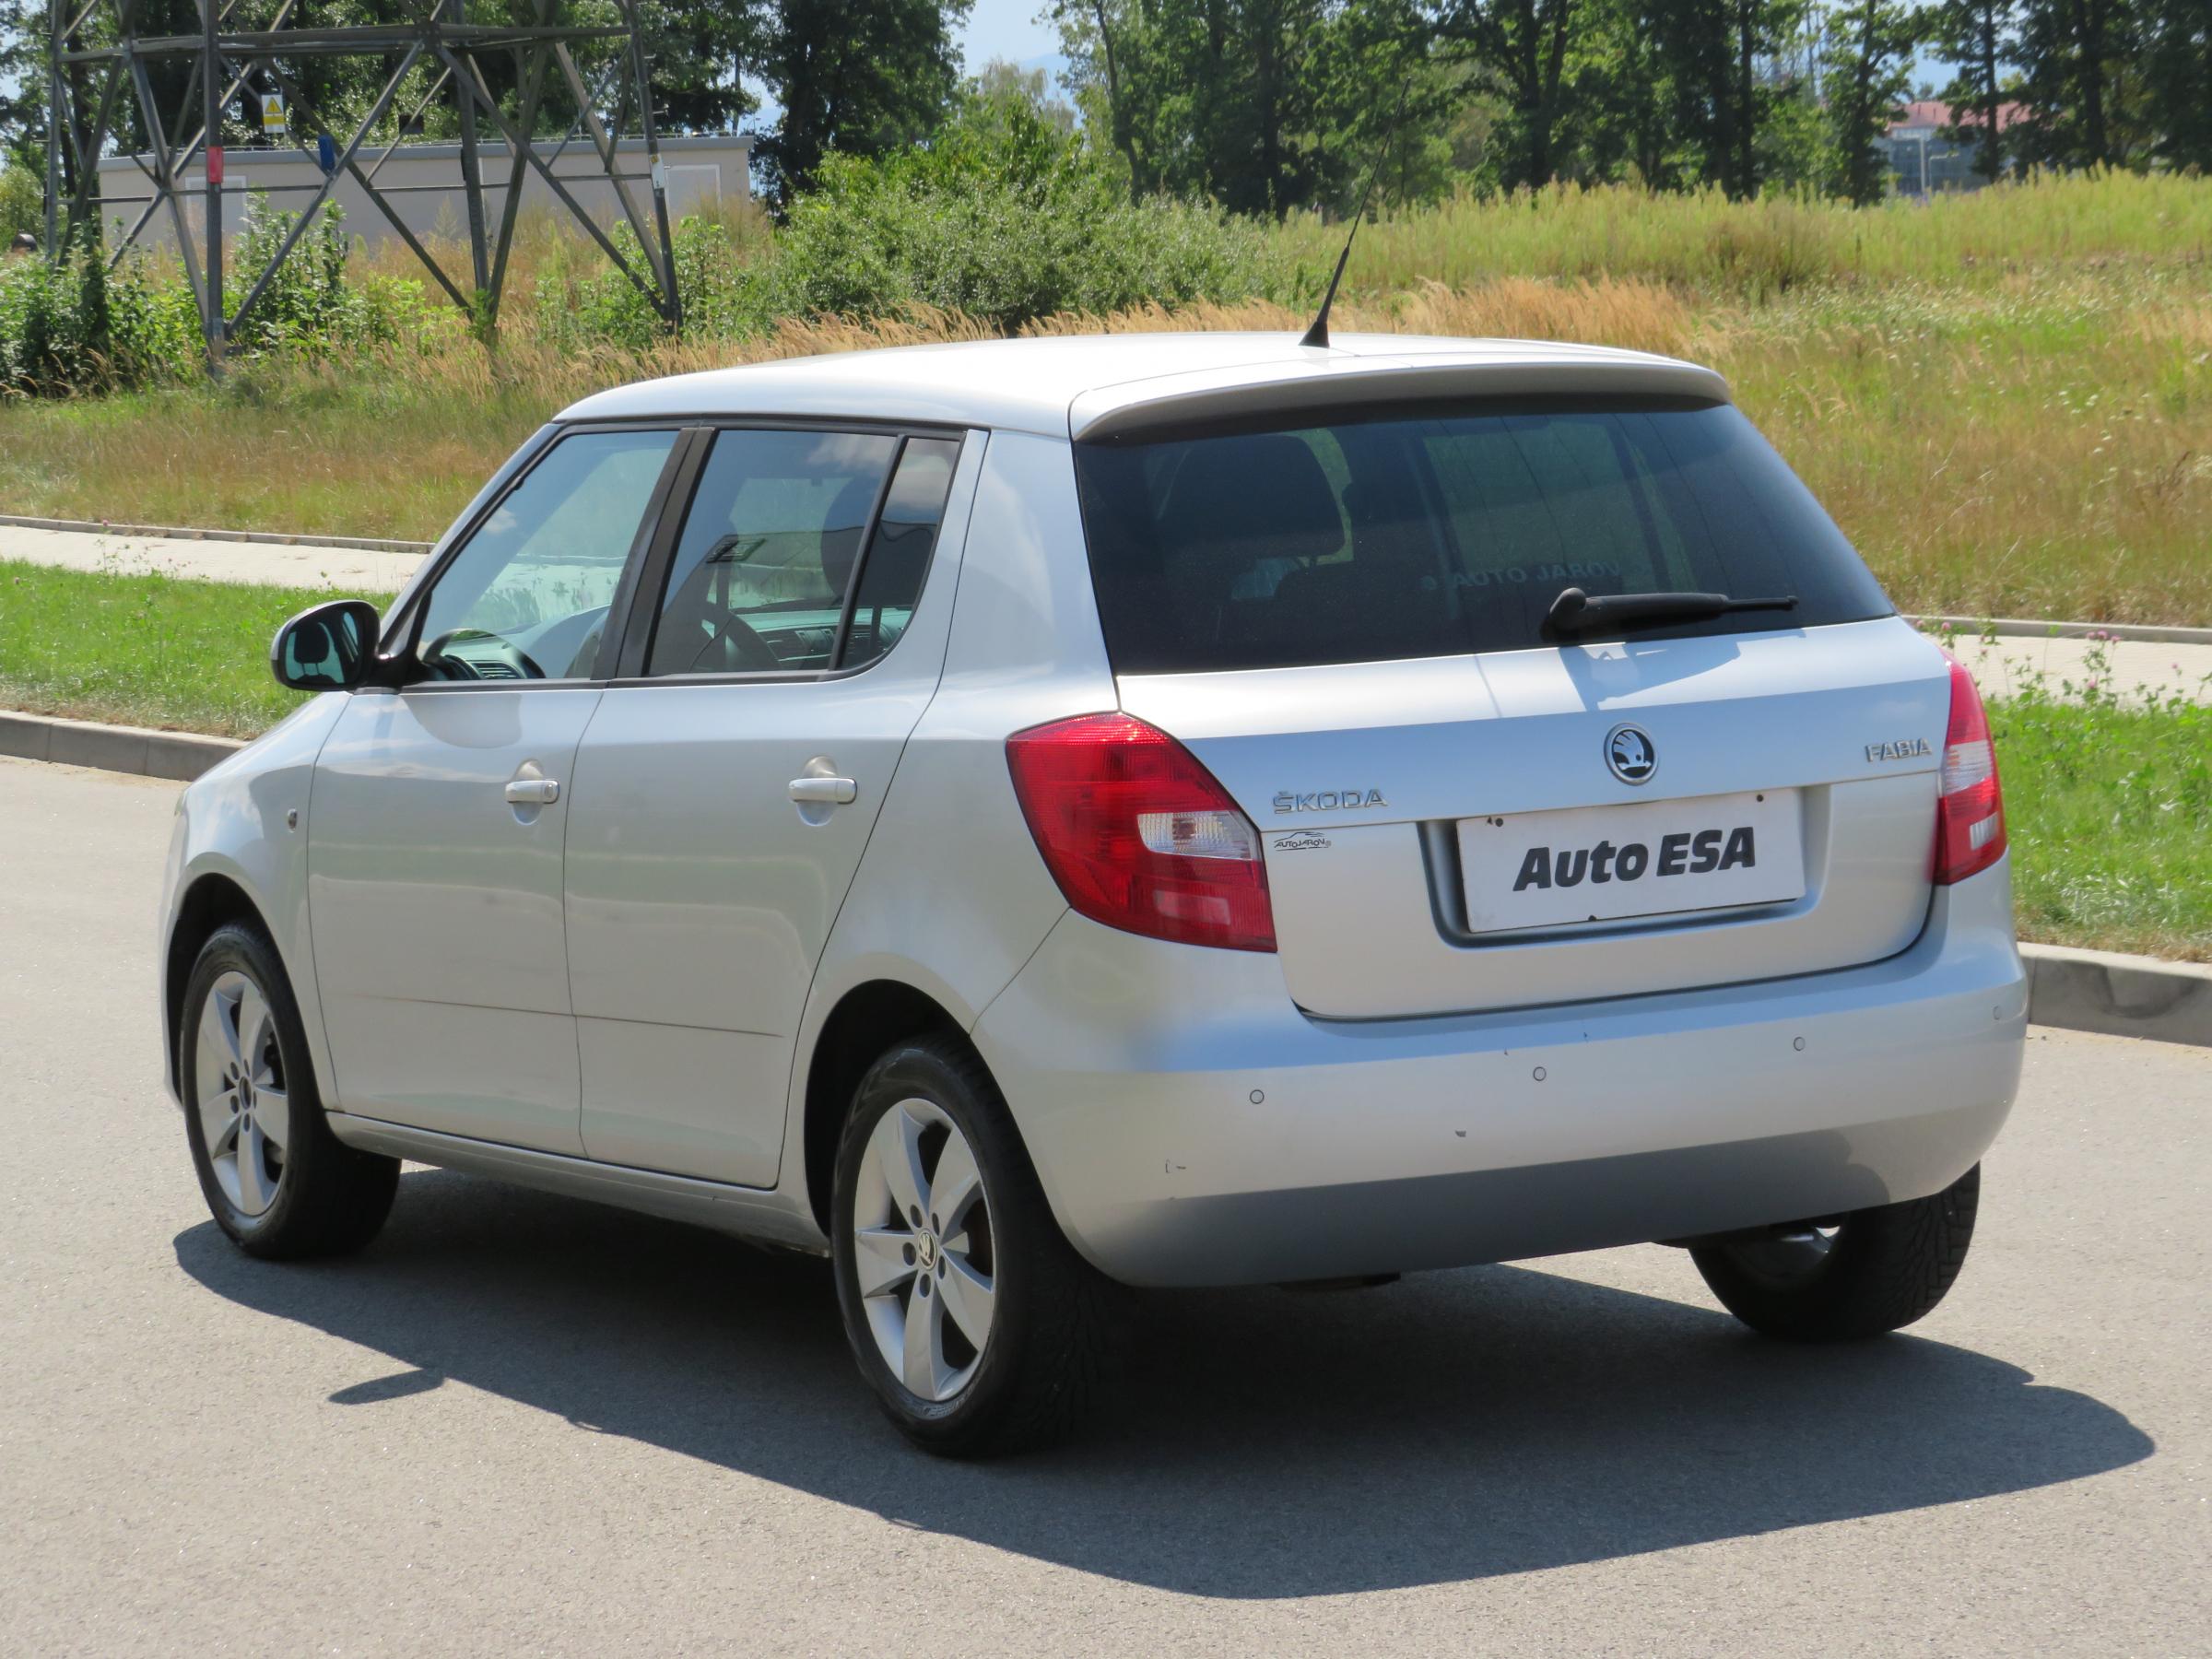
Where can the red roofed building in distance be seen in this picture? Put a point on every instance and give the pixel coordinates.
(1933, 145)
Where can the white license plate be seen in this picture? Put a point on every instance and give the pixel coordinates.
(1603, 864)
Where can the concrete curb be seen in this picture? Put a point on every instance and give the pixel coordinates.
(2024, 627)
(181, 756)
(2124, 996)
(2079, 990)
(359, 544)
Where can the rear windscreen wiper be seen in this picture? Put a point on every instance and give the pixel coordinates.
(1577, 612)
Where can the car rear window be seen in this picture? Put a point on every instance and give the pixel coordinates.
(1439, 532)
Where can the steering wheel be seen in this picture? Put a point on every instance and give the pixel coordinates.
(439, 656)
(752, 650)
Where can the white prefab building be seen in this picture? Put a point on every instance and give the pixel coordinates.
(422, 184)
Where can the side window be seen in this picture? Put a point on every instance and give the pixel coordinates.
(526, 597)
(897, 558)
(758, 581)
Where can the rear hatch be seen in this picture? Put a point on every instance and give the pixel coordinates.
(1464, 806)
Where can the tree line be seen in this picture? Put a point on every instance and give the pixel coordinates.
(1272, 105)
(1268, 106)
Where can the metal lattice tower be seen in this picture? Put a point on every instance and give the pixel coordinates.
(231, 50)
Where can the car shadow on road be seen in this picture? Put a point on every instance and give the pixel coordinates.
(1258, 1443)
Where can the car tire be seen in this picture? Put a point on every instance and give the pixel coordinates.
(907, 1273)
(1875, 1271)
(275, 1177)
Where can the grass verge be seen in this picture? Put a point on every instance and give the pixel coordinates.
(2107, 803)
(151, 651)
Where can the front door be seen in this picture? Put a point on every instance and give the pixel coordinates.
(727, 786)
(436, 824)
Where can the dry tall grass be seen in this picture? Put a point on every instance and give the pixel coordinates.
(1774, 244)
(1640, 314)
(2015, 418)
(1630, 312)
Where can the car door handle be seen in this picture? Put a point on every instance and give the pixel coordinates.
(830, 792)
(532, 792)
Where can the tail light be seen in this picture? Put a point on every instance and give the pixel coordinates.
(1139, 835)
(1970, 803)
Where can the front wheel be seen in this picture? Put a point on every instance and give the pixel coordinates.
(973, 1318)
(275, 1177)
(1872, 1271)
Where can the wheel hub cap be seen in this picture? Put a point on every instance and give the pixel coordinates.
(924, 1250)
(244, 1112)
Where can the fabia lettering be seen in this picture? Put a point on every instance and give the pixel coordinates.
(1684, 854)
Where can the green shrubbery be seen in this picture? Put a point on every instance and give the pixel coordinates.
(583, 303)
(1003, 216)
(22, 203)
(1006, 218)
(312, 307)
(77, 327)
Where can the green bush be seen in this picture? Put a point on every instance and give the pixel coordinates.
(50, 339)
(75, 326)
(1003, 216)
(311, 309)
(722, 298)
(22, 203)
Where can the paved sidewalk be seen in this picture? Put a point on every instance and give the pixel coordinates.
(348, 570)
(2001, 665)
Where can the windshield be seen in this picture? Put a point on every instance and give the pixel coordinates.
(1445, 531)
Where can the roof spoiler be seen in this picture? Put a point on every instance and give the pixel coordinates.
(1184, 402)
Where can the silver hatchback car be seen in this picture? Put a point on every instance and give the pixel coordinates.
(1183, 811)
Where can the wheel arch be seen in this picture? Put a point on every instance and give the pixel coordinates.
(213, 901)
(866, 1020)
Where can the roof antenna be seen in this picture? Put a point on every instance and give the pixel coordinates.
(1318, 334)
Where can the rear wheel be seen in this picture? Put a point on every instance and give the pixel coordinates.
(970, 1315)
(1871, 1272)
(275, 1177)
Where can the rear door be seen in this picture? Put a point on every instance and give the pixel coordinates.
(790, 631)
(1463, 808)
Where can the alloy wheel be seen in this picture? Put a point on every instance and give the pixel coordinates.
(922, 1250)
(245, 1114)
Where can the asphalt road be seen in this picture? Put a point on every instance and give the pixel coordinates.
(522, 1422)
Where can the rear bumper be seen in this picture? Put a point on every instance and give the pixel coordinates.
(1191, 1126)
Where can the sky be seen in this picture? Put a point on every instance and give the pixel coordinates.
(1009, 29)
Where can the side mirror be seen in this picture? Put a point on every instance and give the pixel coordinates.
(326, 647)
